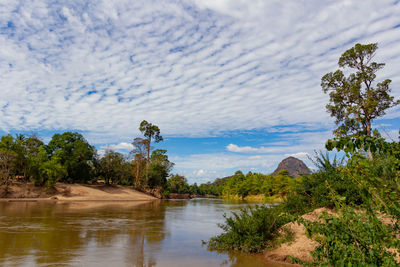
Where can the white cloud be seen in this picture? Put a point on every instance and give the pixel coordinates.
(120, 146)
(245, 149)
(300, 155)
(200, 172)
(194, 68)
(291, 143)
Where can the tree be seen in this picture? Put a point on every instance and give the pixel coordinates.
(150, 131)
(159, 157)
(50, 169)
(159, 168)
(75, 154)
(112, 166)
(7, 159)
(32, 146)
(139, 151)
(356, 100)
(178, 184)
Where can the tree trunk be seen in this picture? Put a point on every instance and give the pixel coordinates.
(370, 156)
(148, 161)
(137, 172)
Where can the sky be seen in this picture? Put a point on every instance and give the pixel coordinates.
(232, 84)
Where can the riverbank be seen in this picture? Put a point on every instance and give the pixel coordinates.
(256, 198)
(73, 192)
(300, 246)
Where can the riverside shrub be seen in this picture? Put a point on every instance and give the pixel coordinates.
(250, 230)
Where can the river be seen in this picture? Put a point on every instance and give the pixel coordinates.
(156, 233)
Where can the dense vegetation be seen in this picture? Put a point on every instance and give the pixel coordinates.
(270, 188)
(363, 189)
(69, 158)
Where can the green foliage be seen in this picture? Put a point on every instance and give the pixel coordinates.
(7, 160)
(151, 132)
(50, 170)
(159, 168)
(250, 230)
(328, 175)
(115, 168)
(255, 184)
(357, 235)
(139, 161)
(24, 150)
(355, 100)
(157, 176)
(68, 157)
(178, 184)
(361, 190)
(160, 157)
(75, 154)
(297, 204)
(353, 238)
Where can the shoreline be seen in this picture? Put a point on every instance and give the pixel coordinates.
(71, 200)
(23, 192)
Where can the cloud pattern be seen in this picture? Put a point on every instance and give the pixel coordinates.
(194, 68)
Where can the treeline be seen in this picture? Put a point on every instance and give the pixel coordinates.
(270, 187)
(69, 158)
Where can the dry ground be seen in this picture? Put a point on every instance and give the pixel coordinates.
(301, 246)
(75, 192)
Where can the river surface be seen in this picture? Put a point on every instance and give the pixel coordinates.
(156, 233)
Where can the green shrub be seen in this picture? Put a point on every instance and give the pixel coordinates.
(353, 238)
(359, 236)
(297, 204)
(314, 189)
(250, 230)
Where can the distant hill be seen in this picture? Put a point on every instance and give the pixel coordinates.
(295, 167)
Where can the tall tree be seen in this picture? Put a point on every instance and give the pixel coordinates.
(112, 166)
(356, 100)
(7, 159)
(151, 132)
(75, 153)
(139, 151)
(160, 157)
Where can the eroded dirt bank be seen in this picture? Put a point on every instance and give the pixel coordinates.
(73, 192)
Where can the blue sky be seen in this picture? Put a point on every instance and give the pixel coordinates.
(232, 84)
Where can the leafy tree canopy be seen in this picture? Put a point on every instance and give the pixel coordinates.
(356, 99)
(75, 154)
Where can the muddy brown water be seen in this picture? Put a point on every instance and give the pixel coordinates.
(156, 233)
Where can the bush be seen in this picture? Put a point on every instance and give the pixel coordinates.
(297, 204)
(250, 230)
(359, 236)
(314, 189)
(353, 238)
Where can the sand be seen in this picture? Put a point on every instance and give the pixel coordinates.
(77, 192)
(301, 246)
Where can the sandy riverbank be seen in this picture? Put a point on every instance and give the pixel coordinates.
(301, 246)
(74, 192)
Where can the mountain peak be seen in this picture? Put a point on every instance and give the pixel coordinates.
(293, 165)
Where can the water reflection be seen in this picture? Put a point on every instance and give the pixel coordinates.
(156, 233)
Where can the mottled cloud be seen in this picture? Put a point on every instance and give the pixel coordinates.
(195, 68)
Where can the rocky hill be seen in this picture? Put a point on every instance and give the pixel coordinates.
(295, 167)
